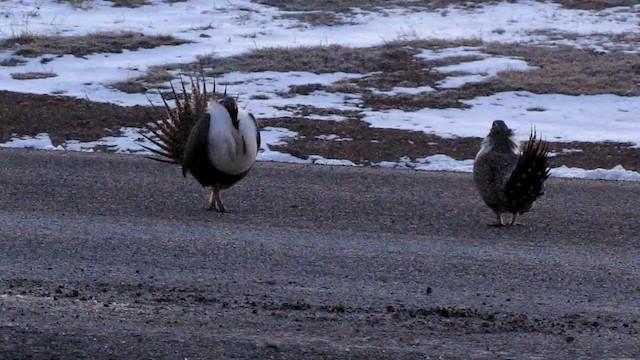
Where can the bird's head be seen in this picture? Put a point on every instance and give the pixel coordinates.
(500, 130)
(501, 137)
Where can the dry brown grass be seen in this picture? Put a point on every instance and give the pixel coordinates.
(153, 79)
(32, 75)
(321, 59)
(595, 4)
(629, 41)
(129, 3)
(29, 45)
(130, 86)
(11, 62)
(318, 18)
(568, 70)
(65, 118)
(369, 145)
(433, 100)
(116, 3)
(346, 6)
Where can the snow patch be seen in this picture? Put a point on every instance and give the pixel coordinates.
(617, 173)
(333, 137)
(444, 53)
(479, 70)
(41, 141)
(568, 118)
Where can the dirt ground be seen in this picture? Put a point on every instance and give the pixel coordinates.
(114, 257)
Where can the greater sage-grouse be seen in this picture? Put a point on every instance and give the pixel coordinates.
(214, 140)
(508, 180)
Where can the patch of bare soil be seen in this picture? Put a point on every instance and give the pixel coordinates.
(29, 45)
(64, 118)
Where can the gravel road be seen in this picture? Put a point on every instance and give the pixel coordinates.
(114, 257)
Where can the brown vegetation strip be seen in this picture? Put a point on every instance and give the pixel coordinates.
(567, 70)
(339, 12)
(322, 59)
(64, 118)
(346, 6)
(32, 75)
(12, 62)
(29, 45)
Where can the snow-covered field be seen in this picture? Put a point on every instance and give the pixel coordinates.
(228, 28)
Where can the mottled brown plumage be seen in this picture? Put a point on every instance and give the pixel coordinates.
(510, 181)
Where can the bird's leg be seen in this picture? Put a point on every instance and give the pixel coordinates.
(219, 205)
(498, 220)
(514, 219)
(215, 202)
(212, 205)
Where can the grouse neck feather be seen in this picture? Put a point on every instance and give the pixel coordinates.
(232, 138)
(503, 144)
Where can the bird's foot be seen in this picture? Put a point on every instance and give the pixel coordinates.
(514, 220)
(498, 222)
(215, 202)
(218, 208)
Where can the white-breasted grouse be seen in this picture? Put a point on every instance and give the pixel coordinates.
(509, 180)
(214, 141)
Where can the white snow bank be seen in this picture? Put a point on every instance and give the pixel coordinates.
(589, 118)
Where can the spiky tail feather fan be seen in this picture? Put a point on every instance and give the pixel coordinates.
(170, 134)
(526, 183)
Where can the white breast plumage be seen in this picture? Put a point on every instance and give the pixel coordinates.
(232, 151)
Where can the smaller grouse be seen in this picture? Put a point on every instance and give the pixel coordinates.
(214, 141)
(510, 181)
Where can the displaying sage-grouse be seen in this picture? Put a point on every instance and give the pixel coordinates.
(508, 180)
(214, 141)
